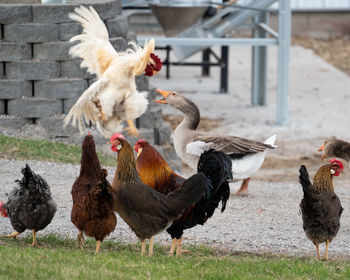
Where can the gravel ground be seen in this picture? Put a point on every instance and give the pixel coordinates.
(265, 221)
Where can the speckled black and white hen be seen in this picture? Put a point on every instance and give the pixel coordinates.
(29, 205)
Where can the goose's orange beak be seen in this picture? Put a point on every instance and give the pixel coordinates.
(165, 94)
(324, 153)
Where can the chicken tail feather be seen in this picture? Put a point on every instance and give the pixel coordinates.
(190, 192)
(305, 181)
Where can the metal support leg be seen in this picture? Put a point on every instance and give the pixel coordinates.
(284, 30)
(168, 62)
(224, 70)
(259, 63)
(206, 59)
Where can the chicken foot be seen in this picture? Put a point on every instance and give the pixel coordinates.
(98, 105)
(13, 235)
(172, 247)
(132, 130)
(176, 242)
(80, 239)
(179, 250)
(326, 252)
(244, 187)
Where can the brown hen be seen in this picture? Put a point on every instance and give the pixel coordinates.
(92, 211)
(321, 208)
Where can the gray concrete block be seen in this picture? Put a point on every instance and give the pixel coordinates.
(164, 134)
(151, 118)
(60, 88)
(1, 70)
(15, 51)
(71, 69)
(119, 43)
(68, 104)
(31, 32)
(67, 30)
(58, 13)
(52, 13)
(32, 70)
(131, 36)
(142, 83)
(15, 14)
(52, 51)
(117, 27)
(108, 9)
(54, 127)
(34, 107)
(13, 122)
(2, 107)
(14, 89)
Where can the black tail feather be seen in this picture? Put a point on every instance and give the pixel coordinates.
(305, 180)
(217, 168)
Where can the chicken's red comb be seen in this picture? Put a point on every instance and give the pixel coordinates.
(141, 141)
(117, 135)
(157, 61)
(337, 162)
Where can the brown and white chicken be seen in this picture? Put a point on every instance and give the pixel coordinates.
(113, 97)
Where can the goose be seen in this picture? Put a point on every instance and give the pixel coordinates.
(247, 155)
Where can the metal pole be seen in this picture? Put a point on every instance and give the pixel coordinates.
(224, 70)
(284, 29)
(259, 62)
(206, 59)
(168, 61)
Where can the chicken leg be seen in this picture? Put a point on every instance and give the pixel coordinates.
(143, 247)
(80, 239)
(179, 250)
(244, 187)
(172, 247)
(98, 245)
(13, 235)
(132, 130)
(150, 246)
(98, 105)
(318, 251)
(34, 244)
(326, 252)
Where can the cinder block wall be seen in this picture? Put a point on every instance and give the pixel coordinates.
(39, 81)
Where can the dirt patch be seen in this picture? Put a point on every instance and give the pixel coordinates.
(335, 51)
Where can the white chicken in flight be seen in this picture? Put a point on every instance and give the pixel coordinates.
(113, 97)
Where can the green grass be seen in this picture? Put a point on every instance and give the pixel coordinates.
(58, 259)
(44, 150)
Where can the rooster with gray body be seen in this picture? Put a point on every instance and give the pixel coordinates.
(30, 205)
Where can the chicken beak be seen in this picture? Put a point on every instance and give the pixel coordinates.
(165, 94)
(110, 143)
(139, 152)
